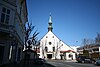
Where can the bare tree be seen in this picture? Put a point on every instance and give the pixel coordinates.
(34, 38)
(30, 40)
(85, 41)
(88, 41)
(97, 39)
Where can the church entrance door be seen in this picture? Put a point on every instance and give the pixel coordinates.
(49, 56)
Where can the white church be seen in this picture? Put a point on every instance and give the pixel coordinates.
(51, 47)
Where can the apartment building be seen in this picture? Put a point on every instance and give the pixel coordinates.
(13, 16)
(91, 50)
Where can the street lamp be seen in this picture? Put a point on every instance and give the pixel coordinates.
(13, 47)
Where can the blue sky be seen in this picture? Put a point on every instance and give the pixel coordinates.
(73, 20)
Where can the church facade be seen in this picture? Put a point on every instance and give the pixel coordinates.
(51, 47)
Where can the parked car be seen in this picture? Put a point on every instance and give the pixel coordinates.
(97, 62)
(40, 61)
(84, 59)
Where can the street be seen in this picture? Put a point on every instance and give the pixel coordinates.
(27, 64)
(64, 63)
(52, 63)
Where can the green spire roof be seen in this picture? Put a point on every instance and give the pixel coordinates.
(50, 24)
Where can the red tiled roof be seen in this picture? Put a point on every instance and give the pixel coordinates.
(38, 51)
(68, 51)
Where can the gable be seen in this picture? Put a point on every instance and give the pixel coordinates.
(50, 37)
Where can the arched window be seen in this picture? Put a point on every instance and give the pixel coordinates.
(53, 48)
(46, 36)
(46, 49)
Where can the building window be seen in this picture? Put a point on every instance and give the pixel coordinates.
(62, 45)
(7, 19)
(4, 10)
(50, 43)
(8, 11)
(70, 55)
(46, 36)
(52, 36)
(2, 17)
(46, 49)
(53, 48)
(96, 49)
(5, 15)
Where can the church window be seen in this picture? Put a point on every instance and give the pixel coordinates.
(46, 49)
(53, 48)
(62, 44)
(52, 36)
(46, 36)
(50, 43)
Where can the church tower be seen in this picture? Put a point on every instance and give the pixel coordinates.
(51, 47)
(50, 24)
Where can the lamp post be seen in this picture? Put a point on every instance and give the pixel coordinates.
(13, 48)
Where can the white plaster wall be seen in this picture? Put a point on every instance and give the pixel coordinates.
(57, 43)
(67, 56)
(74, 56)
(50, 37)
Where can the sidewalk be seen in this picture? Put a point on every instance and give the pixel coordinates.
(71, 61)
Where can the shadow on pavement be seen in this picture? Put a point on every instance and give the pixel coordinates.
(49, 65)
(22, 64)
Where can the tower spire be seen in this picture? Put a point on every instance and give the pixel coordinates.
(50, 19)
(50, 24)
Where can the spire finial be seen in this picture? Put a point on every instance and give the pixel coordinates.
(50, 13)
(50, 18)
